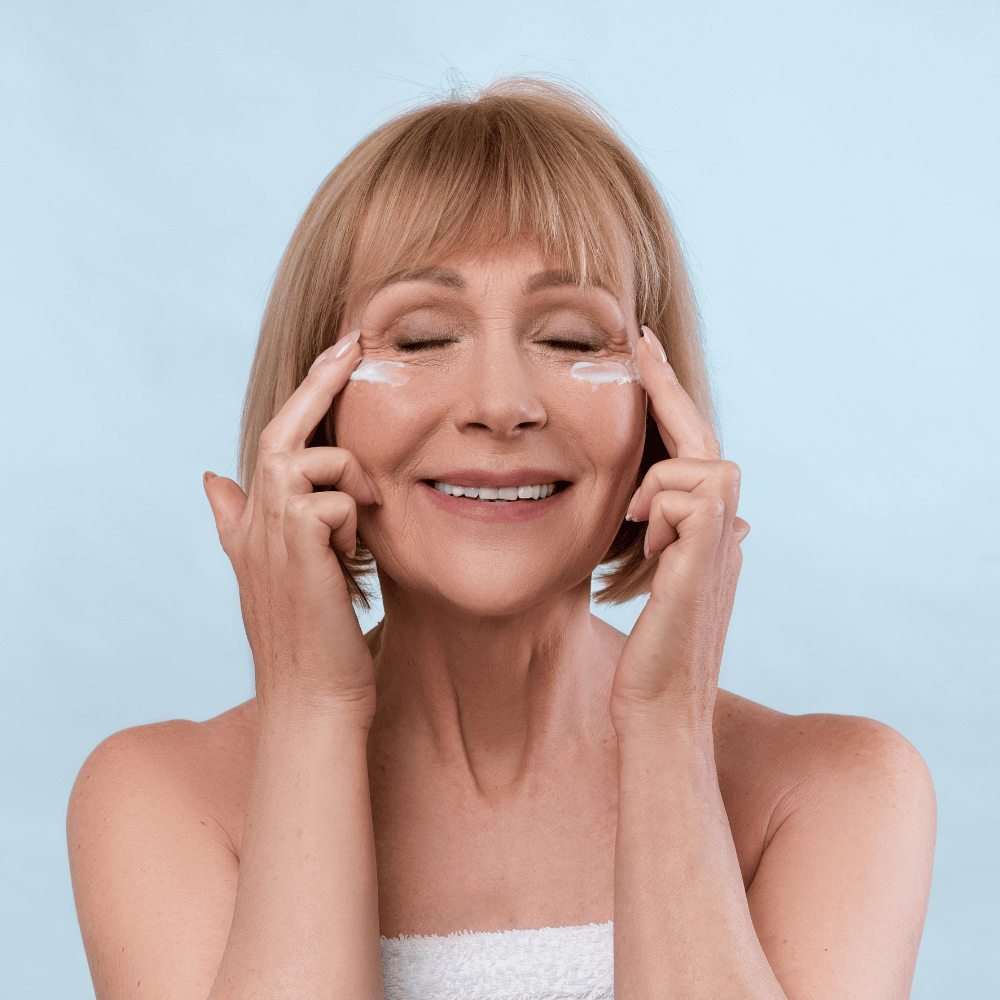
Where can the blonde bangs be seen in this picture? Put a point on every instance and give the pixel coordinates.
(472, 177)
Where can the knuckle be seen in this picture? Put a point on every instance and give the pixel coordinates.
(299, 505)
(271, 466)
(731, 470)
(658, 504)
(267, 438)
(276, 469)
(728, 474)
(715, 507)
(341, 458)
(658, 473)
(342, 503)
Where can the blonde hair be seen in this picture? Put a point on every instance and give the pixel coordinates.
(522, 158)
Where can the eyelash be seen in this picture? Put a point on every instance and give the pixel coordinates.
(577, 345)
(415, 345)
(410, 346)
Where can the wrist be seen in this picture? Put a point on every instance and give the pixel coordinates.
(670, 722)
(317, 716)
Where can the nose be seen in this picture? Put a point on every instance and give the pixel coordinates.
(500, 395)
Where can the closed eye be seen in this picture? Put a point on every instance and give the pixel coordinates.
(410, 346)
(571, 345)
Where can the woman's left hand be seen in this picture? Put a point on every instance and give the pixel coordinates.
(668, 671)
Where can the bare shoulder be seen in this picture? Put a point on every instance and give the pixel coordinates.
(153, 831)
(773, 765)
(799, 749)
(178, 761)
(835, 765)
(798, 755)
(846, 827)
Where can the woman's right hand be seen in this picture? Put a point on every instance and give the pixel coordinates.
(307, 645)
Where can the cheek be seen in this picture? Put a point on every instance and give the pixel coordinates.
(608, 419)
(379, 423)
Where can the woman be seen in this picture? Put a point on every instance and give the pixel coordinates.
(479, 367)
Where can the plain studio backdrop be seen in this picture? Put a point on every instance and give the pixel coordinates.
(832, 170)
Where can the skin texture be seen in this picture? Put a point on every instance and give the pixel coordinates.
(493, 756)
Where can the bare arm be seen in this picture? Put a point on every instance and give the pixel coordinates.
(165, 909)
(837, 904)
(682, 928)
(154, 870)
(306, 915)
(840, 896)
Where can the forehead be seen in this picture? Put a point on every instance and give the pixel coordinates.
(522, 265)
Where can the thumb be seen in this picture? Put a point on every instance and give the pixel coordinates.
(228, 502)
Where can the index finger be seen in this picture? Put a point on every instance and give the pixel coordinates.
(682, 427)
(294, 423)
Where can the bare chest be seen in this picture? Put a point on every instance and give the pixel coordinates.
(446, 864)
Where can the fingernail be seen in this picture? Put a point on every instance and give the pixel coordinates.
(338, 349)
(655, 347)
(321, 357)
(208, 475)
(351, 338)
(645, 544)
(628, 513)
(374, 489)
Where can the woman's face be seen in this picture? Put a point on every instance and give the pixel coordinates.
(473, 384)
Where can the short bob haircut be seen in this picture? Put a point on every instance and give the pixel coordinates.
(522, 158)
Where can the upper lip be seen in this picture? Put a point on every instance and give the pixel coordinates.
(498, 480)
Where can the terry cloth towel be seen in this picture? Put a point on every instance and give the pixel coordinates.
(548, 963)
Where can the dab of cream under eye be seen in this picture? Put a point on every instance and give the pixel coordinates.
(610, 373)
(386, 372)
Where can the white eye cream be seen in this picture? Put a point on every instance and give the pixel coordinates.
(611, 373)
(386, 372)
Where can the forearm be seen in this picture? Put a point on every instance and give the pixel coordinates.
(682, 925)
(305, 923)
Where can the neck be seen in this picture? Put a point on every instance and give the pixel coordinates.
(494, 700)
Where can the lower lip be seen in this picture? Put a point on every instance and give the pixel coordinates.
(514, 511)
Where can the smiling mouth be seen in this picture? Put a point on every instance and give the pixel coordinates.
(503, 494)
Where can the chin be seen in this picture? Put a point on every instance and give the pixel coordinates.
(489, 588)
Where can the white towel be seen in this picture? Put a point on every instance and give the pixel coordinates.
(549, 963)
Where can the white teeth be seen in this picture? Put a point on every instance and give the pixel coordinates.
(503, 494)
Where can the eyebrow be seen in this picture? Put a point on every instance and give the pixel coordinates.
(452, 279)
(437, 275)
(553, 279)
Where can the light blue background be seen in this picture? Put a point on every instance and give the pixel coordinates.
(833, 172)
